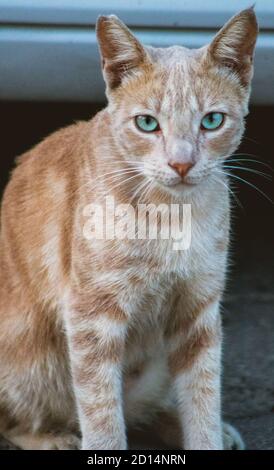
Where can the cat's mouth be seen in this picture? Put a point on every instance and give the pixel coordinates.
(176, 187)
(179, 183)
(175, 182)
(189, 183)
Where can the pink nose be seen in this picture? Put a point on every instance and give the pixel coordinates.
(181, 168)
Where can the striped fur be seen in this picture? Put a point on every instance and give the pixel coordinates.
(98, 337)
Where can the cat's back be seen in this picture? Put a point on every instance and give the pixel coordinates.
(38, 204)
(58, 159)
(56, 151)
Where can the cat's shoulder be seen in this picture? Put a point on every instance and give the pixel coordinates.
(57, 143)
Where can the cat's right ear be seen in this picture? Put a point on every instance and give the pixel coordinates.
(120, 51)
(233, 46)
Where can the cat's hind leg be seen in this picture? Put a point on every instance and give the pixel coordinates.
(167, 428)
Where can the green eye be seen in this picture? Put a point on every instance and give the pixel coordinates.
(212, 121)
(147, 123)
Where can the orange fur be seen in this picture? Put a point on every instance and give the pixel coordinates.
(96, 336)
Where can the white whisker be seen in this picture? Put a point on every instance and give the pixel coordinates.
(110, 177)
(146, 191)
(121, 171)
(123, 182)
(219, 180)
(139, 188)
(251, 170)
(248, 183)
(248, 160)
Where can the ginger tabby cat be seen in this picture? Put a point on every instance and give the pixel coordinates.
(99, 337)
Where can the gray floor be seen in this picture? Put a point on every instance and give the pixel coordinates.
(249, 350)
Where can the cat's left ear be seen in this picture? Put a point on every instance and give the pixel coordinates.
(120, 51)
(234, 44)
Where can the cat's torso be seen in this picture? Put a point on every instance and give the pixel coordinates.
(146, 279)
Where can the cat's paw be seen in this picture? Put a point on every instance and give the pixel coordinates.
(231, 438)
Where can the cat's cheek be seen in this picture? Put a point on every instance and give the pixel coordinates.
(137, 144)
(224, 143)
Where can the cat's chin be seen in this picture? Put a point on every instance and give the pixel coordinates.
(178, 189)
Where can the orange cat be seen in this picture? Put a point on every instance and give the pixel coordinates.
(99, 336)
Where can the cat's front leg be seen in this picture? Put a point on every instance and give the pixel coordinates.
(96, 347)
(194, 360)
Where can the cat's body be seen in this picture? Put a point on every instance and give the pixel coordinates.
(135, 322)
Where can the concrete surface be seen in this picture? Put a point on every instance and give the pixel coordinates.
(249, 350)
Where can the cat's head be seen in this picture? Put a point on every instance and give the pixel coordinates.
(175, 112)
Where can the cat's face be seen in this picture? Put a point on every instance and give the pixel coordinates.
(177, 113)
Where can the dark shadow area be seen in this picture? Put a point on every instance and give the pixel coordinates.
(249, 303)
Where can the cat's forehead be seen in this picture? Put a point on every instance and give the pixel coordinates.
(183, 80)
(180, 77)
(180, 83)
(175, 55)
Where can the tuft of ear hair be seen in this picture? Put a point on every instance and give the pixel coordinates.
(234, 44)
(121, 52)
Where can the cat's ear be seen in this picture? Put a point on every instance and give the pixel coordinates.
(120, 51)
(234, 44)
